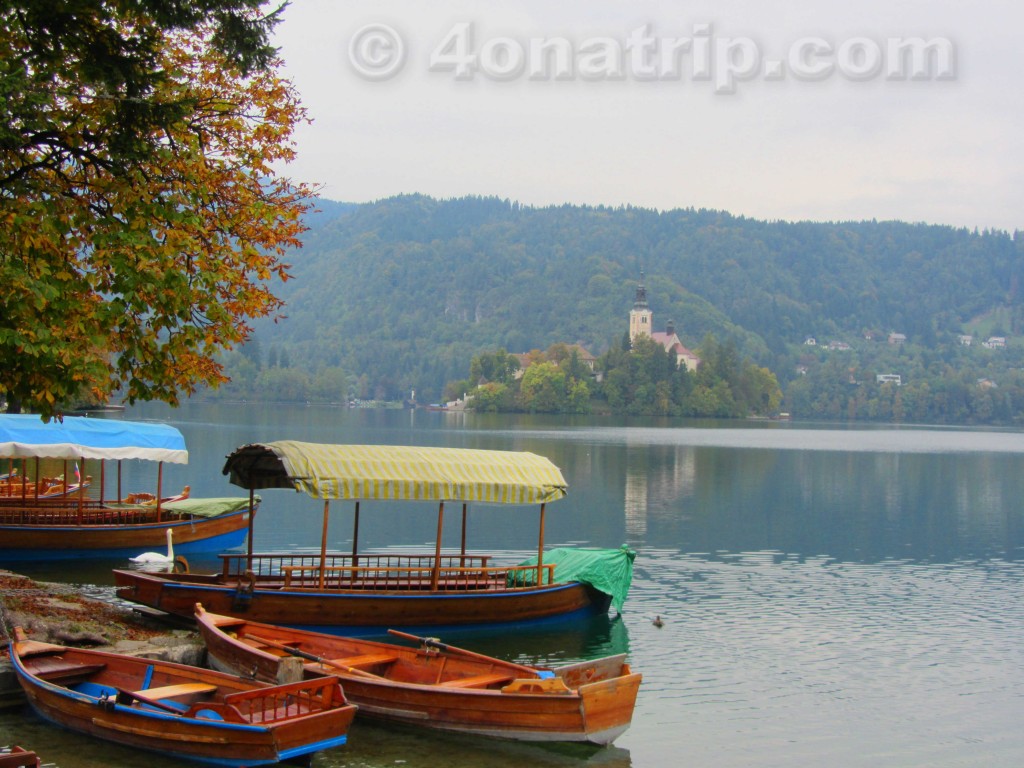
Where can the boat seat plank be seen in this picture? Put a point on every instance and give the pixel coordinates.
(366, 660)
(57, 669)
(180, 689)
(279, 652)
(478, 681)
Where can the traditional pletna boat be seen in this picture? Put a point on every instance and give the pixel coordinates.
(54, 518)
(437, 685)
(180, 711)
(361, 591)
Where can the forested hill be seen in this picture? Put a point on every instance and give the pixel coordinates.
(401, 293)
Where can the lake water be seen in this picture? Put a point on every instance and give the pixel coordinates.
(829, 596)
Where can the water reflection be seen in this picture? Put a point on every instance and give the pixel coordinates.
(372, 745)
(549, 643)
(855, 506)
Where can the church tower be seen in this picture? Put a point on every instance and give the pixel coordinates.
(640, 316)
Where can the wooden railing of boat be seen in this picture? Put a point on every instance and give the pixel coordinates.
(20, 488)
(380, 572)
(283, 702)
(75, 511)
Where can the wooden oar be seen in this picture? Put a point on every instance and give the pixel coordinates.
(126, 697)
(435, 643)
(313, 657)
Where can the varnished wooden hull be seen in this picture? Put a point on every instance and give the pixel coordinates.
(83, 702)
(178, 593)
(18, 757)
(35, 542)
(589, 702)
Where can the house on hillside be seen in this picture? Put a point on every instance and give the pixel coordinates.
(995, 342)
(641, 323)
(897, 338)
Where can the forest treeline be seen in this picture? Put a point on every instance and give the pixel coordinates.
(397, 297)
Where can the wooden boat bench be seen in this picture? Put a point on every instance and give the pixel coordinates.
(253, 642)
(164, 697)
(173, 691)
(479, 681)
(366, 660)
(57, 670)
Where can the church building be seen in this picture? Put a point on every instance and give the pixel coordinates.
(641, 323)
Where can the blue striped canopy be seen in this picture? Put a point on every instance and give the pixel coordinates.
(397, 472)
(77, 437)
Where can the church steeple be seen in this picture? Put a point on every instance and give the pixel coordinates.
(640, 316)
(640, 302)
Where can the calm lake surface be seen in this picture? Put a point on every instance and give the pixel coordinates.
(830, 596)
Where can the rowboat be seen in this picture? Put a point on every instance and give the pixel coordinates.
(436, 685)
(18, 757)
(180, 711)
(368, 591)
(72, 516)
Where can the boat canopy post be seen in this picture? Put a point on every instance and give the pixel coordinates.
(323, 543)
(81, 488)
(462, 562)
(103, 479)
(35, 494)
(252, 517)
(435, 577)
(540, 546)
(159, 487)
(355, 546)
(355, 539)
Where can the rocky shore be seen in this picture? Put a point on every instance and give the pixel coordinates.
(60, 613)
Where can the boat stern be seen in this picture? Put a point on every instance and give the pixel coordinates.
(608, 706)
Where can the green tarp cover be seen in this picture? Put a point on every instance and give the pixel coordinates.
(608, 570)
(208, 507)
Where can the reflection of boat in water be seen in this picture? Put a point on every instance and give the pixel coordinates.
(392, 743)
(367, 591)
(551, 642)
(55, 518)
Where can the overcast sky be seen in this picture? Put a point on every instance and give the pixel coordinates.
(767, 109)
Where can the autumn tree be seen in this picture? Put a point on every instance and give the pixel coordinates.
(542, 389)
(143, 218)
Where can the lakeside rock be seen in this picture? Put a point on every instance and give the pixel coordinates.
(61, 614)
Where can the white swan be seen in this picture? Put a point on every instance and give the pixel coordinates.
(156, 557)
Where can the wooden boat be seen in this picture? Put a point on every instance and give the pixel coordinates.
(180, 711)
(18, 757)
(54, 518)
(366, 591)
(438, 686)
(43, 488)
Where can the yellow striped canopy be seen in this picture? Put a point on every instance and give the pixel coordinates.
(397, 472)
